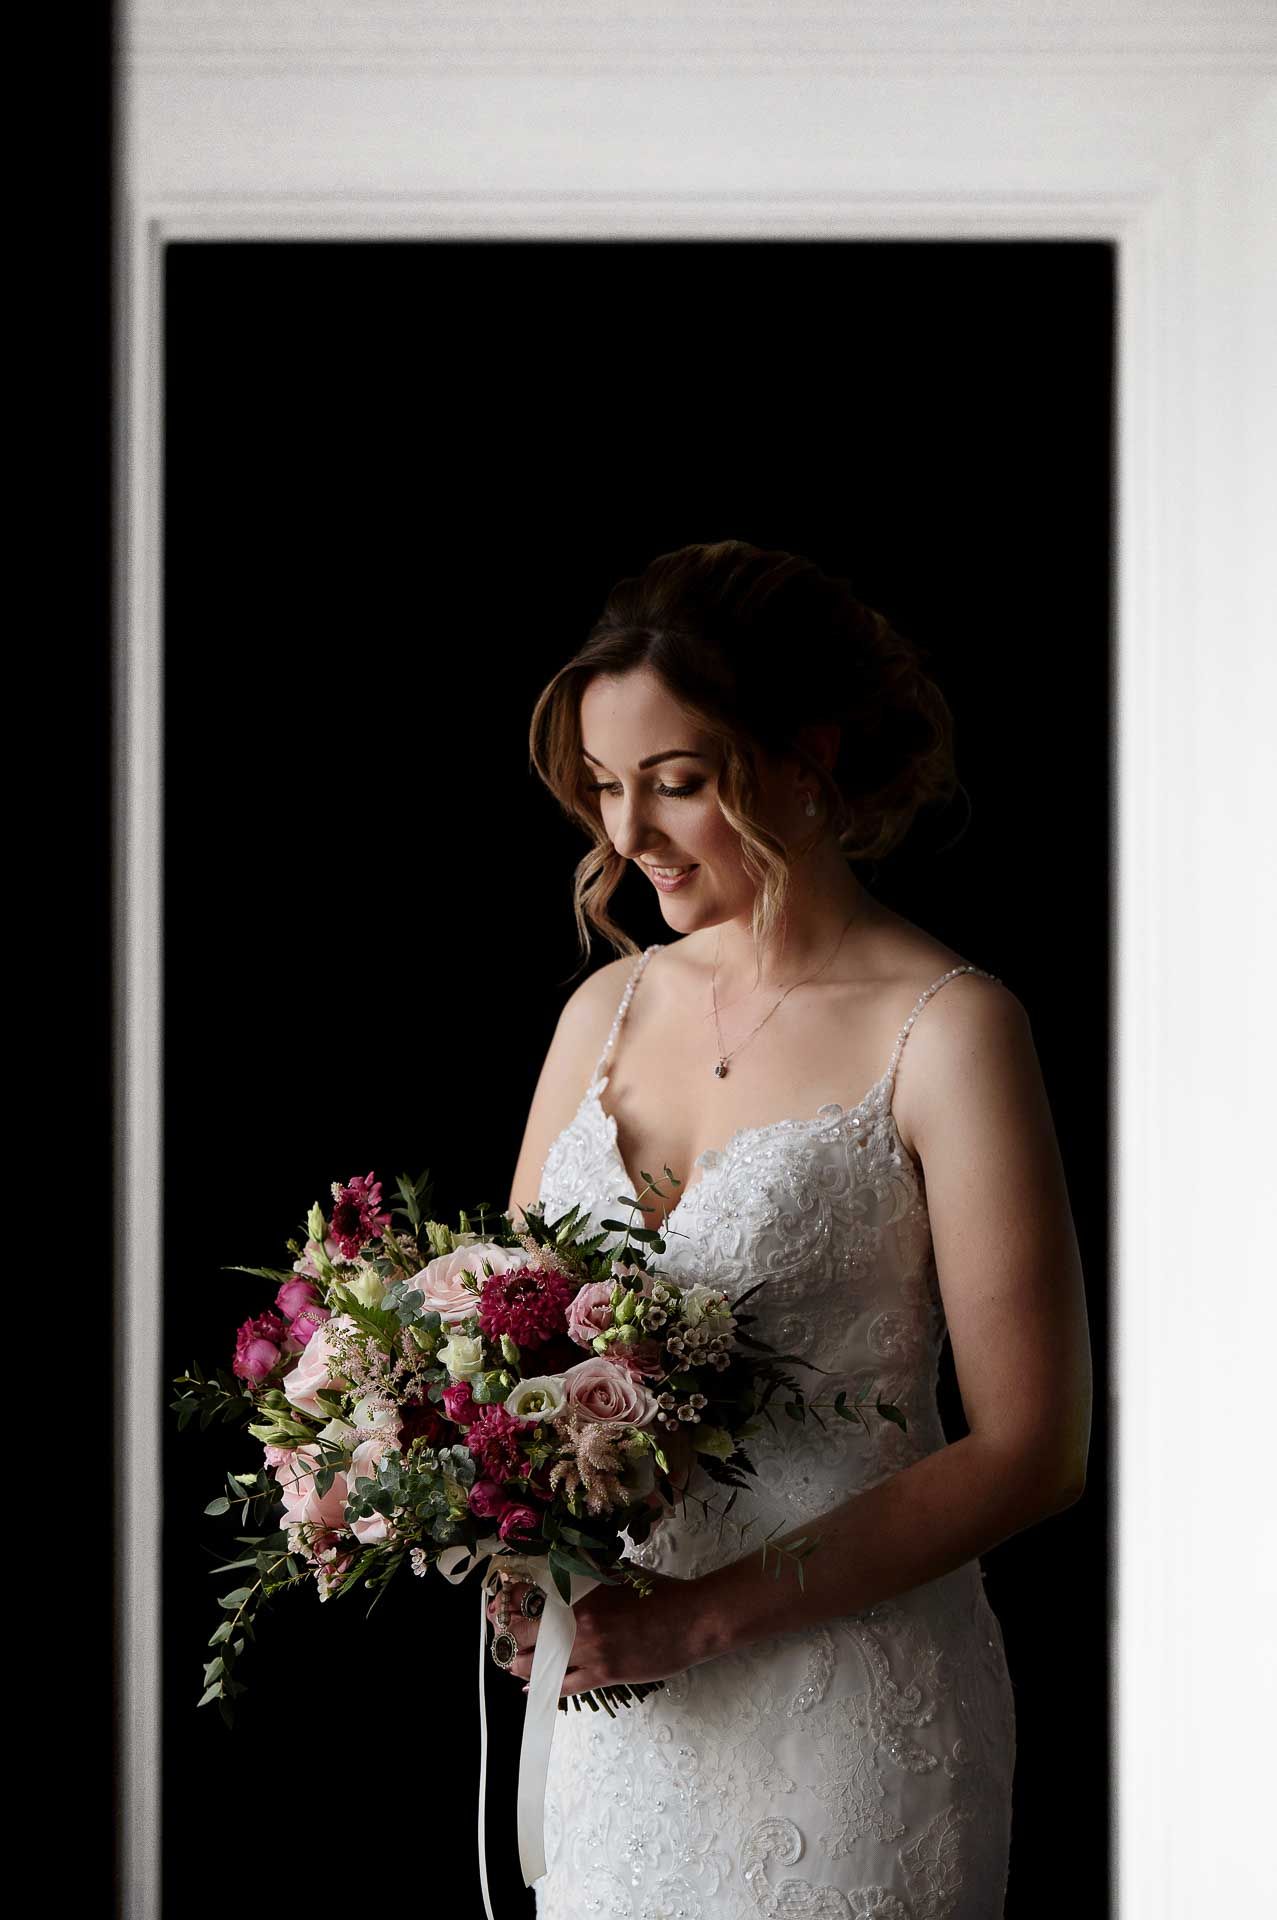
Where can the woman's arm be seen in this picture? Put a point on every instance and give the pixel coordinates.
(1011, 1282)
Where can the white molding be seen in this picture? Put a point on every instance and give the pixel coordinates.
(338, 143)
(725, 35)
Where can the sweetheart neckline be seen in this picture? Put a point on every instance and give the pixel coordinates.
(832, 1111)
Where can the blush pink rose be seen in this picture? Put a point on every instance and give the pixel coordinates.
(441, 1287)
(303, 1505)
(311, 1374)
(363, 1466)
(590, 1312)
(600, 1391)
(641, 1356)
(306, 1264)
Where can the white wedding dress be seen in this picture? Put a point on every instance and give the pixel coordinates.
(859, 1767)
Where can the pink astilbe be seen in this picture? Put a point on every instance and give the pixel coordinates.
(530, 1303)
(593, 1463)
(357, 1216)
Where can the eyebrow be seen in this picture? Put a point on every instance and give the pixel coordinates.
(654, 759)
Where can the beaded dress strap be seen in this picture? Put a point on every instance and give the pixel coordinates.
(922, 1000)
(635, 975)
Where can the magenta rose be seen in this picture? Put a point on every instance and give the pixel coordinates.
(441, 1287)
(518, 1521)
(293, 1295)
(488, 1499)
(303, 1325)
(600, 1391)
(590, 1312)
(460, 1404)
(258, 1345)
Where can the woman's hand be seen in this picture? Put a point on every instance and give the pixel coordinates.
(621, 1634)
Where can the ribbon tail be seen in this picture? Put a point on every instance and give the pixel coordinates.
(556, 1632)
(483, 1749)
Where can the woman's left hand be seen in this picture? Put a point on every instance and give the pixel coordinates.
(621, 1634)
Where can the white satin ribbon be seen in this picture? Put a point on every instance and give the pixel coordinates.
(556, 1630)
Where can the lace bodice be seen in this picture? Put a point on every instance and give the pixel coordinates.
(831, 1212)
(861, 1767)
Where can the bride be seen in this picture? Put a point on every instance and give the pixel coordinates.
(803, 1088)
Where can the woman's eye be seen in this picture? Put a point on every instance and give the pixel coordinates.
(666, 793)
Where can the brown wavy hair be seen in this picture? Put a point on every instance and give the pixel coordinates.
(756, 644)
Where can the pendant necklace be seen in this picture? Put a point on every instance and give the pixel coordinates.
(720, 1069)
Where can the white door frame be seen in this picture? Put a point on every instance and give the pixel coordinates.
(1152, 127)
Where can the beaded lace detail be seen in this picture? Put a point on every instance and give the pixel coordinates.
(861, 1767)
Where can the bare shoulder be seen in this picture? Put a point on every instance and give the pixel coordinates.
(578, 1039)
(971, 1044)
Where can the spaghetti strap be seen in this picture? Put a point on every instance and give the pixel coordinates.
(635, 975)
(922, 1000)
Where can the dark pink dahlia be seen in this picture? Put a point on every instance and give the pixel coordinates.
(357, 1216)
(496, 1440)
(528, 1303)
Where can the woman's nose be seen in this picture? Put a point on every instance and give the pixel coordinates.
(630, 830)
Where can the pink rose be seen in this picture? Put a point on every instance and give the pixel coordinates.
(258, 1345)
(306, 1265)
(303, 1505)
(590, 1312)
(641, 1356)
(600, 1391)
(363, 1466)
(293, 1295)
(460, 1404)
(440, 1284)
(311, 1374)
(518, 1520)
(304, 1324)
(488, 1499)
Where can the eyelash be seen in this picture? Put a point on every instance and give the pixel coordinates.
(666, 793)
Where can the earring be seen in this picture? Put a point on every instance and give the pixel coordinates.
(810, 808)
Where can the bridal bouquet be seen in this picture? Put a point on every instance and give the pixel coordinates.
(432, 1396)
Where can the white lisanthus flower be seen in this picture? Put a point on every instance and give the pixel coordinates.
(340, 1432)
(462, 1354)
(535, 1398)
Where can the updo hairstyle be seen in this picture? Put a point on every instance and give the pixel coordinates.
(755, 644)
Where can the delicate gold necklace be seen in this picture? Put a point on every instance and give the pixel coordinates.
(720, 1069)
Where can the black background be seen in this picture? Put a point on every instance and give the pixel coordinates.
(400, 479)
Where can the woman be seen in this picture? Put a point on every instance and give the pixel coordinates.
(738, 727)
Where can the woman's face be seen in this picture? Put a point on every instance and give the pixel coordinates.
(663, 815)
